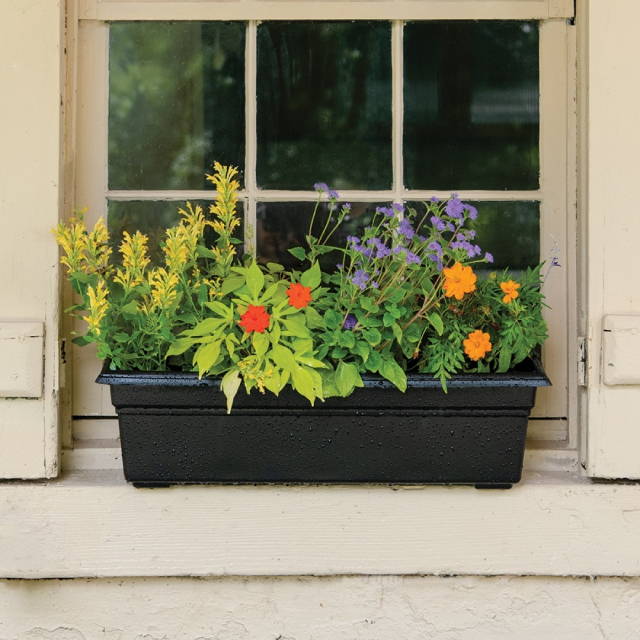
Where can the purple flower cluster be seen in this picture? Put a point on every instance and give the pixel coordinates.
(394, 210)
(350, 322)
(323, 187)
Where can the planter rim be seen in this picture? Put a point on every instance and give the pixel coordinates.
(535, 377)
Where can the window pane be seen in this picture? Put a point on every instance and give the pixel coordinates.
(471, 105)
(176, 102)
(510, 231)
(152, 218)
(324, 104)
(283, 225)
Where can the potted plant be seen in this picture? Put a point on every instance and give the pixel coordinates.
(401, 364)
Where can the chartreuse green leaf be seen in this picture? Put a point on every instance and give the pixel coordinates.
(394, 373)
(230, 384)
(179, 347)
(314, 319)
(298, 252)
(312, 276)
(372, 336)
(283, 357)
(362, 349)
(303, 383)
(255, 280)
(296, 327)
(232, 283)
(260, 343)
(205, 327)
(219, 309)
(206, 356)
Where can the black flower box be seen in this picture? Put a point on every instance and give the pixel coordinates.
(174, 429)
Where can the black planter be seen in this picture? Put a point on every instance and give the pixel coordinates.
(174, 429)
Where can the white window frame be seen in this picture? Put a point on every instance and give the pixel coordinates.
(554, 423)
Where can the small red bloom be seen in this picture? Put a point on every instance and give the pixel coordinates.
(255, 319)
(299, 295)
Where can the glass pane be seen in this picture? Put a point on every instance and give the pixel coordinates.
(471, 105)
(283, 225)
(510, 231)
(152, 218)
(176, 102)
(324, 104)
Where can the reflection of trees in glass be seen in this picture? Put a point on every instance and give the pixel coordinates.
(324, 104)
(152, 219)
(283, 225)
(176, 102)
(471, 105)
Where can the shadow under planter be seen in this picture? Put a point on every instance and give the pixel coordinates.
(174, 429)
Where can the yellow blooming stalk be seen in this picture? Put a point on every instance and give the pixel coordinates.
(176, 249)
(98, 306)
(72, 238)
(134, 260)
(224, 212)
(164, 290)
(98, 249)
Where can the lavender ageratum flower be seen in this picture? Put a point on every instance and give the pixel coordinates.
(350, 322)
(405, 229)
(353, 240)
(398, 207)
(488, 257)
(458, 245)
(374, 284)
(360, 279)
(397, 250)
(382, 252)
(333, 195)
(421, 238)
(471, 210)
(339, 266)
(450, 227)
(346, 206)
(471, 234)
(461, 237)
(321, 187)
(412, 258)
(434, 199)
(387, 211)
(435, 246)
(454, 207)
(438, 223)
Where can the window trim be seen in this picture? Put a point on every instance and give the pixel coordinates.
(554, 423)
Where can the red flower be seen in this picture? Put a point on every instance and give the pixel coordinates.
(255, 319)
(299, 295)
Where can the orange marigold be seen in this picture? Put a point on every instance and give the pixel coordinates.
(477, 344)
(458, 280)
(510, 290)
(255, 319)
(299, 295)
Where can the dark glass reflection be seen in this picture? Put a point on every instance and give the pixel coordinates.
(152, 219)
(283, 225)
(510, 231)
(324, 104)
(176, 102)
(471, 105)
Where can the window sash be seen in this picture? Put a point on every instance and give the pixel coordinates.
(556, 406)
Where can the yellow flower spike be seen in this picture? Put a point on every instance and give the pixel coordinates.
(135, 259)
(98, 306)
(176, 251)
(98, 249)
(72, 238)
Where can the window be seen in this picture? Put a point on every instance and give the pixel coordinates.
(385, 103)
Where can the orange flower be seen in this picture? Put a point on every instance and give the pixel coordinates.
(254, 319)
(299, 295)
(477, 344)
(458, 280)
(510, 289)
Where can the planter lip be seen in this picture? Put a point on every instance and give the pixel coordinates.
(535, 377)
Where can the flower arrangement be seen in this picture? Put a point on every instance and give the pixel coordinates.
(404, 297)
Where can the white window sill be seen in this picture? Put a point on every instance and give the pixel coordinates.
(95, 525)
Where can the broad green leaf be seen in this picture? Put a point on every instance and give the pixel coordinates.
(206, 356)
(393, 372)
(374, 361)
(314, 319)
(260, 343)
(347, 339)
(230, 384)
(368, 304)
(347, 378)
(121, 337)
(303, 383)
(329, 388)
(273, 383)
(205, 327)
(130, 309)
(397, 331)
(388, 319)
(332, 319)
(283, 357)
(312, 276)
(504, 361)
(255, 280)
(179, 347)
(311, 362)
(338, 352)
(219, 308)
(232, 283)
(298, 252)
(436, 322)
(362, 349)
(274, 267)
(372, 336)
(296, 327)
(302, 345)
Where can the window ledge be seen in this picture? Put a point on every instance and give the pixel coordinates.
(95, 525)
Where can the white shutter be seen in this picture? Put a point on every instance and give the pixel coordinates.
(30, 195)
(612, 228)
